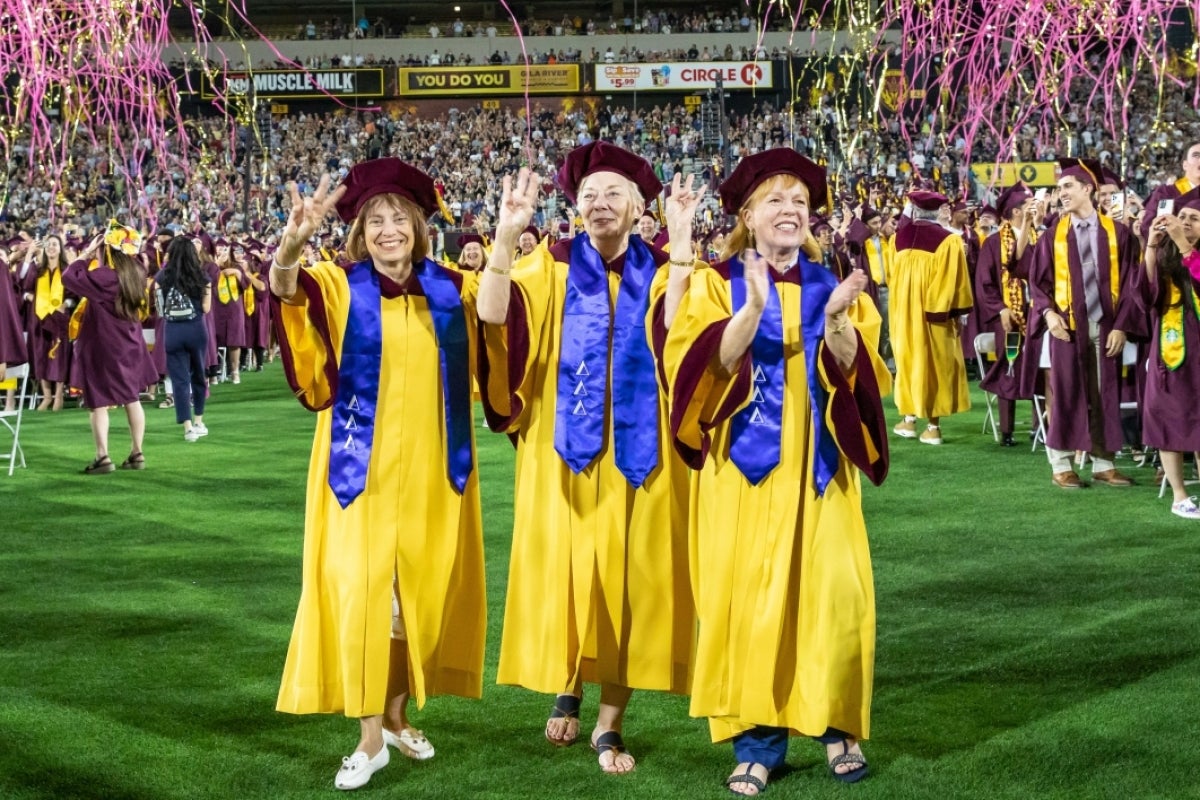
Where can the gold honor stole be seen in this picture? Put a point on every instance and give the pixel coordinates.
(1062, 266)
(1183, 185)
(875, 261)
(227, 290)
(49, 294)
(249, 295)
(1171, 346)
(76, 321)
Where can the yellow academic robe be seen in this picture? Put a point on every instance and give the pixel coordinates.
(930, 290)
(598, 582)
(782, 576)
(409, 524)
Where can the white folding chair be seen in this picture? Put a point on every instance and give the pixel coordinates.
(1162, 487)
(985, 344)
(11, 420)
(1042, 412)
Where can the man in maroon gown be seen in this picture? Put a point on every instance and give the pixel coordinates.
(1002, 304)
(1084, 286)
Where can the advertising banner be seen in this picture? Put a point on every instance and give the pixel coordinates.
(1034, 173)
(683, 76)
(296, 83)
(497, 80)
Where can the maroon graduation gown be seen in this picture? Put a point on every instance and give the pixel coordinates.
(1068, 403)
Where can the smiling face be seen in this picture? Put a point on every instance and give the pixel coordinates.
(52, 248)
(609, 205)
(527, 243)
(1075, 196)
(647, 227)
(390, 230)
(471, 256)
(777, 214)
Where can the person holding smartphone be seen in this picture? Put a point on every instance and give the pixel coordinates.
(1190, 163)
(1170, 414)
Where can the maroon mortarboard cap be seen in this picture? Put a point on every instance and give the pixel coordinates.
(869, 214)
(818, 223)
(206, 243)
(385, 176)
(1012, 197)
(600, 156)
(1190, 199)
(650, 214)
(537, 234)
(466, 239)
(1110, 178)
(858, 232)
(564, 226)
(74, 242)
(15, 241)
(1086, 170)
(753, 170)
(221, 243)
(959, 205)
(985, 210)
(928, 201)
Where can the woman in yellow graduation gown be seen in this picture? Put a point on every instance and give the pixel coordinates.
(598, 584)
(381, 349)
(775, 385)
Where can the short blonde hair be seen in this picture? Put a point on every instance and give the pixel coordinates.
(356, 242)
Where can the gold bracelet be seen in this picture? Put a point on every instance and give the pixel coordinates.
(688, 264)
(838, 331)
(497, 270)
(275, 263)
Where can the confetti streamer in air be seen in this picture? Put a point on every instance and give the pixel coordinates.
(529, 151)
(88, 84)
(1008, 65)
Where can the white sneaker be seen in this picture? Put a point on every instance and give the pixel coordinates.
(1186, 509)
(357, 769)
(190, 435)
(200, 428)
(932, 435)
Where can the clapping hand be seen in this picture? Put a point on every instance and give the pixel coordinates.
(846, 293)
(757, 284)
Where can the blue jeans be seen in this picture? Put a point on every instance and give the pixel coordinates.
(762, 745)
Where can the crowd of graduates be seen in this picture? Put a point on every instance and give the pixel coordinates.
(693, 380)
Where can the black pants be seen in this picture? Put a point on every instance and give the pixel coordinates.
(186, 343)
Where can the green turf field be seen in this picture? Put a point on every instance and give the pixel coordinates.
(1033, 643)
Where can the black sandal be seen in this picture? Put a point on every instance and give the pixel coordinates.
(857, 763)
(566, 706)
(610, 742)
(745, 777)
(135, 461)
(100, 466)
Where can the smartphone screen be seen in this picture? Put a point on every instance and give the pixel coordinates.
(1117, 205)
(1165, 207)
(1039, 195)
